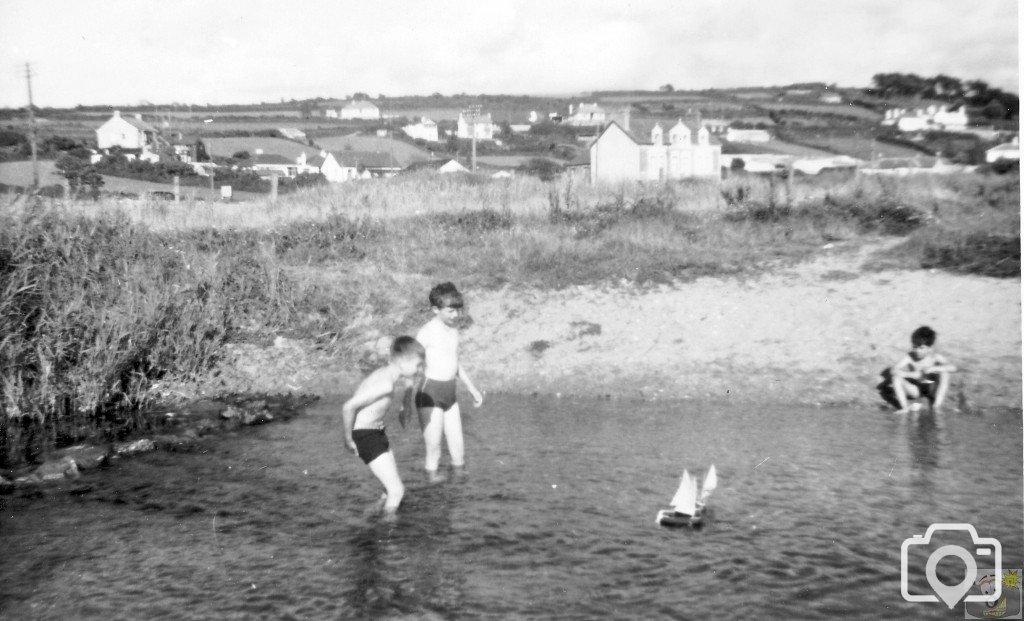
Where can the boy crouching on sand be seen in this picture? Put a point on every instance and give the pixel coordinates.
(921, 373)
(363, 416)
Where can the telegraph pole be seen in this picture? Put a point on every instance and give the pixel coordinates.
(472, 113)
(32, 129)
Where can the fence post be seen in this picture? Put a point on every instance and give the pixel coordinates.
(273, 188)
(177, 188)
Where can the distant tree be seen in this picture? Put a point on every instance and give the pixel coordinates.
(360, 96)
(994, 110)
(79, 173)
(201, 154)
(10, 138)
(542, 168)
(666, 88)
(241, 155)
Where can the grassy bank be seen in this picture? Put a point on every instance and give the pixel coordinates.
(101, 301)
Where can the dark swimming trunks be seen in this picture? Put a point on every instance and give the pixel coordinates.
(436, 394)
(370, 443)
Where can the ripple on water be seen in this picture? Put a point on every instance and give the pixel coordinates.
(555, 520)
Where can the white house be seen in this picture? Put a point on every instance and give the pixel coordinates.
(267, 164)
(330, 113)
(932, 117)
(632, 154)
(361, 109)
(587, 115)
(747, 135)
(484, 127)
(131, 133)
(341, 166)
(1006, 151)
(424, 130)
(831, 98)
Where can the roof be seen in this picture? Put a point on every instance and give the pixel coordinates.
(1006, 146)
(272, 159)
(640, 130)
(481, 119)
(403, 152)
(226, 147)
(366, 159)
(362, 104)
(429, 164)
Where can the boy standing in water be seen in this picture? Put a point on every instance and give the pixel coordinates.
(921, 373)
(363, 417)
(436, 400)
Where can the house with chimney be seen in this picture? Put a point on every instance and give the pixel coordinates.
(133, 136)
(647, 150)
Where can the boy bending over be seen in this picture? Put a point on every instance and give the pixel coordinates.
(363, 417)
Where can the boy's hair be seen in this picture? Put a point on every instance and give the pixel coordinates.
(407, 346)
(445, 294)
(923, 336)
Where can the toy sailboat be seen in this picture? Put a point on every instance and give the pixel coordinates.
(687, 505)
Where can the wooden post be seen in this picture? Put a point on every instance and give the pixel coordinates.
(789, 185)
(177, 188)
(273, 187)
(32, 130)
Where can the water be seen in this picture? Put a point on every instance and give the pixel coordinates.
(556, 519)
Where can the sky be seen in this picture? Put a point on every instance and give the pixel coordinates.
(122, 52)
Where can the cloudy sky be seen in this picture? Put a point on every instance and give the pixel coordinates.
(190, 51)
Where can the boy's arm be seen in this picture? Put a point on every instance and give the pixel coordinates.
(904, 368)
(941, 366)
(478, 397)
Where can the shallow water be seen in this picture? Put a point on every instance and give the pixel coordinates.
(555, 520)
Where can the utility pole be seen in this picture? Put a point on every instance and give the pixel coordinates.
(32, 129)
(471, 114)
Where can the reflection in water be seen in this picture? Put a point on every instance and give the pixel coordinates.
(556, 519)
(406, 566)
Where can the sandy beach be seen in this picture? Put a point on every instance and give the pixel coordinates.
(815, 333)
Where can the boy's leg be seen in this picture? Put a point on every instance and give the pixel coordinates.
(386, 470)
(904, 390)
(432, 421)
(941, 388)
(453, 436)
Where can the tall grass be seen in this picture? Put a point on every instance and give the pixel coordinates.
(99, 301)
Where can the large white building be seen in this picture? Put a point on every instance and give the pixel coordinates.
(640, 152)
